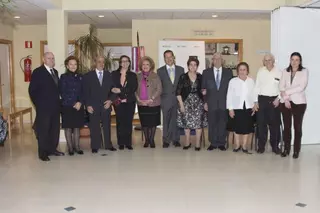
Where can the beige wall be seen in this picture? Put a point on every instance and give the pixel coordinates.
(6, 32)
(255, 35)
(36, 33)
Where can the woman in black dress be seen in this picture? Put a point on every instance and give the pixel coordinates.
(126, 85)
(191, 114)
(72, 109)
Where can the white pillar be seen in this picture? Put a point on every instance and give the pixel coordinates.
(57, 36)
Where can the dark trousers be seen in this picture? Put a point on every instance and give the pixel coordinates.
(47, 128)
(124, 117)
(95, 120)
(171, 132)
(217, 120)
(297, 112)
(268, 116)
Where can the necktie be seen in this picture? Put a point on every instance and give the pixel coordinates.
(171, 74)
(100, 77)
(54, 76)
(218, 79)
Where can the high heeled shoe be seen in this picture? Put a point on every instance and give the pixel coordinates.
(80, 152)
(197, 148)
(284, 154)
(246, 151)
(237, 149)
(187, 147)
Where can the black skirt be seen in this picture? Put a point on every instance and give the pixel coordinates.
(149, 116)
(71, 118)
(243, 121)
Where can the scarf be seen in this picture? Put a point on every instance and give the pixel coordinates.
(143, 87)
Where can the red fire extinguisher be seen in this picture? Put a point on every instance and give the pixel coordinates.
(26, 68)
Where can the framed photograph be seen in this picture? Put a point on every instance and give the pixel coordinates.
(210, 48)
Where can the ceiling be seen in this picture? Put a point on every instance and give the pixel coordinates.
(32, 12)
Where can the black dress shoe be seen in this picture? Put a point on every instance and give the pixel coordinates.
(121, 147)
(260, 151)
(146, 145)
(94, 151)
(165, 145)
(246, 151)
(57, 153)
(187, 147)
(152, 145)
(129, 147)
(177, 144)
(277, 151)
(71, 153)
(237, 150)
(44, 158)
(80, 152)
(211, 147)
(197, 148)
(222, 148)
(112, 149)
(295, 155)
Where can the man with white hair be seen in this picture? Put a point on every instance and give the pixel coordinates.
(267, 104)
(215, 82)
(44, 93)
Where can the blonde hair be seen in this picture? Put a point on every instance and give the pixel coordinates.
(150, 60)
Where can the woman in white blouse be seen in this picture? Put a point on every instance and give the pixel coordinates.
(292, 86)
(240, 101)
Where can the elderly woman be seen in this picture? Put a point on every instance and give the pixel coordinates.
(148, 98)
(292, 86)
(72, 109)
(191, 114)
(240, 101)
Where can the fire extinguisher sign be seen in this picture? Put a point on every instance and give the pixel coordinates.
(28, 44)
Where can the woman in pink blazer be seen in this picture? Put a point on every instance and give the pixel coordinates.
(292, 85)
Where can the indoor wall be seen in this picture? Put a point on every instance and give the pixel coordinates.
(255, 35)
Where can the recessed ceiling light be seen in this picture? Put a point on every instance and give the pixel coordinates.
(17, 17)
(100, 16)
(214, 16)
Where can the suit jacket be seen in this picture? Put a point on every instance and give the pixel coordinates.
(184, 86)
(154, 88)
(296, 90)
(43, 90)
(71, 88)
(168, 96)
(95, 94)
(130, 85)
(216, 98)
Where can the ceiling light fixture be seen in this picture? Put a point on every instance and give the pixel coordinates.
(16, 17)
(100, 16)
(214, 16)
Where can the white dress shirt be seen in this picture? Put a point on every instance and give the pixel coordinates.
(173, 67)
(215, 70)
(239, 92)
(49, 69)
(267, 82)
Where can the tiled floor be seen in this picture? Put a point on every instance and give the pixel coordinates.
(156, 181)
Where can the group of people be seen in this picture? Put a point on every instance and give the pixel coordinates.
(188, 100)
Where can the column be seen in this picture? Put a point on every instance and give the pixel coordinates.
(57, 36)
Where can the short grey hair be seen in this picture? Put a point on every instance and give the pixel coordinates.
(270, 55)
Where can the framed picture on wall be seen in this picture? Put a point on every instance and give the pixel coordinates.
(116, 50)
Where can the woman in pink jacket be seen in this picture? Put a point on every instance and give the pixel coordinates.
(292, 85)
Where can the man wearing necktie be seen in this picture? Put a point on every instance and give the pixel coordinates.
(169, 75)
(44, 93)
(97, 85)
(215, 83)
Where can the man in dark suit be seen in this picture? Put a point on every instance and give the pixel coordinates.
(44, 94)
(169, 75)
(215, 83)
(97, 86)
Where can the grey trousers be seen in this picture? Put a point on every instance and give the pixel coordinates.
(171, 132)
(217, 120)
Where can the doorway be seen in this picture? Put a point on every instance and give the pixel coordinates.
(6, 77)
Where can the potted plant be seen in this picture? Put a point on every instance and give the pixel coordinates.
(89, 47)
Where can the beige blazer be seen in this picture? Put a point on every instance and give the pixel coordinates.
(296, 90)
(154, 88)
